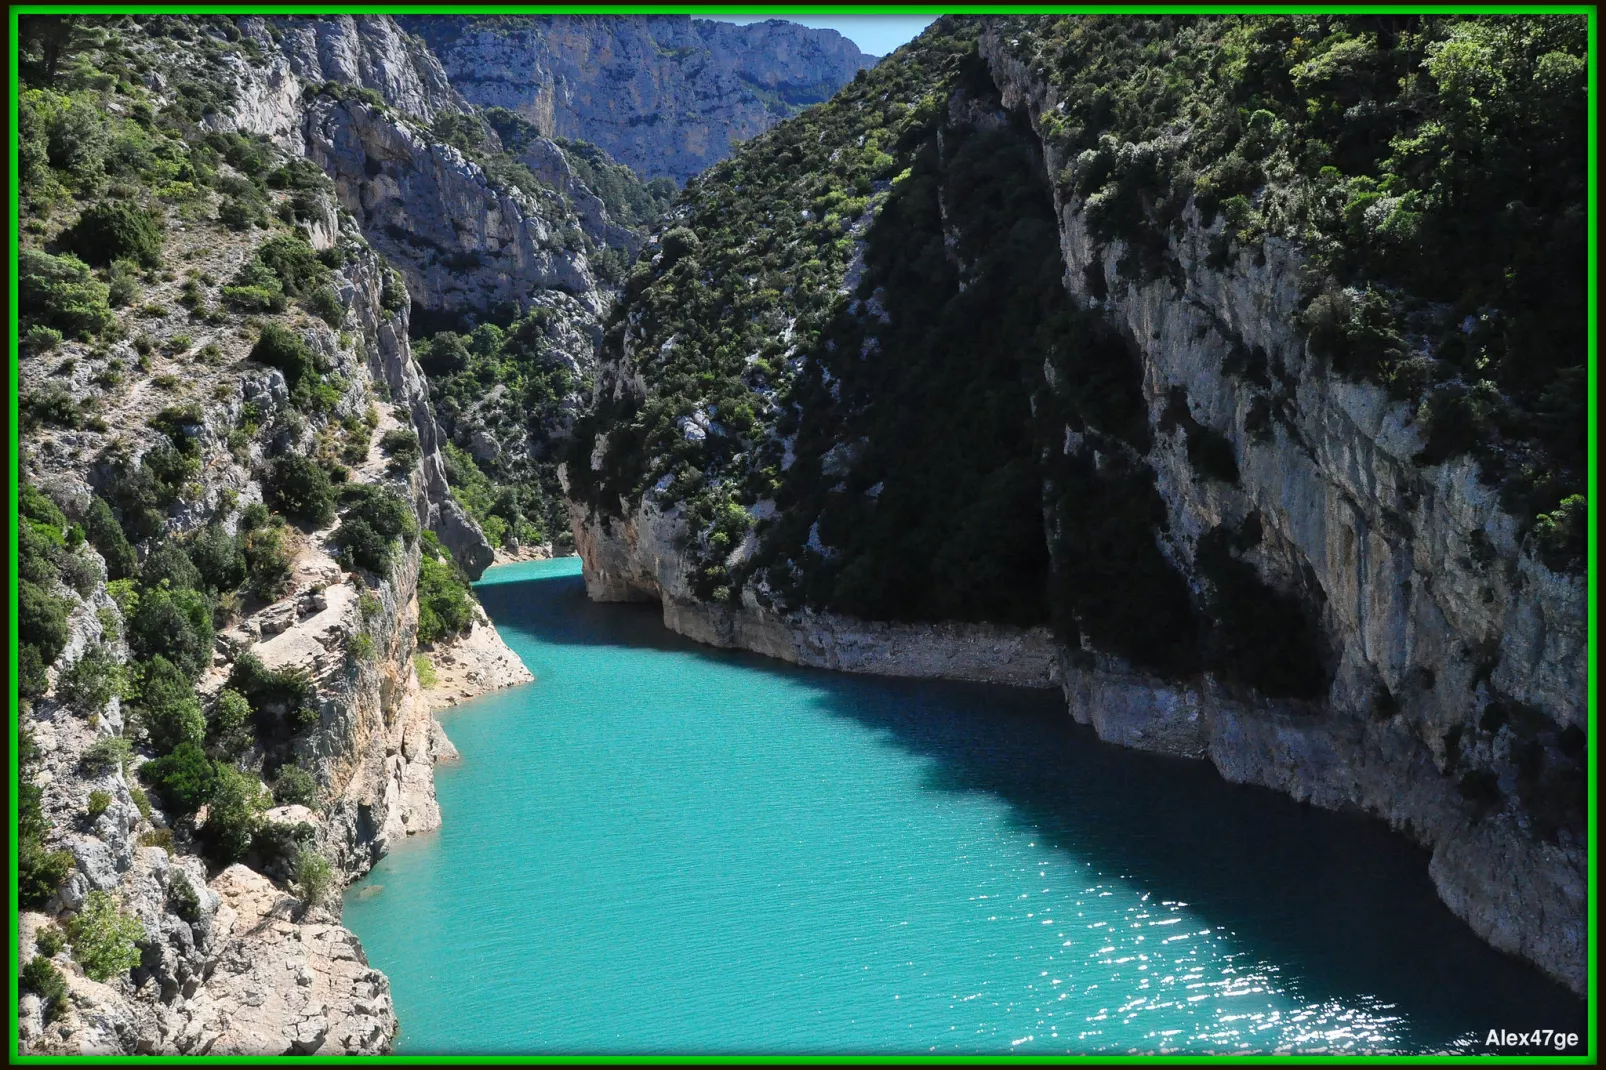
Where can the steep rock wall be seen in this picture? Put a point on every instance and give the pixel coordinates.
(666, 94)
(1388, 553)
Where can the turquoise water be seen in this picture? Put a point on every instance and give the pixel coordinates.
(661, 848)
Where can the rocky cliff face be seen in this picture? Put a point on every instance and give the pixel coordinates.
(1428, 628)
(665, 94)
(477, 231)
(464, 241)
(1432, 653)
(229, 961)
(246, 971)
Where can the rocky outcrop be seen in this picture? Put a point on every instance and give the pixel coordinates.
(637, 559)
(550, 164)
(471, 664)
(465, 243)
(665, 94)
(368, 51)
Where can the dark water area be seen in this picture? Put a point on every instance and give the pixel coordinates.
(658, 847)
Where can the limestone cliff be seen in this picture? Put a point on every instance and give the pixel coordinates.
(1387, 553)
(240, 958)
(665, 94)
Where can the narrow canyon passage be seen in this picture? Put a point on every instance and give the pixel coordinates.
(661, 848)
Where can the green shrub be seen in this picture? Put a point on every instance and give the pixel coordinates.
(425, 669)
(281, 348)
(184, 777)
(402, 445)
(42, 628)
(167, 709)
(108, 231)
(1560, 534)
(104, 938)
(79, 573)
(393, 295)
(300, 488)
(41, 977)
(274, 692)
(122, 284)
(168, 564)
(91, 681)
(52, 405)
(61, 292)
(325, 303)
(268, 560)
(292, 261)
(175, 625)
(50, 940)
(314, 878)
(299, 174)
(361, 647)
(373, 521)
(107, 537)
(219, 558)
(254, 298)
(157, 837)
(677, 243)
(229, 724)
(183, 898)
(234, 814)
(76, 133)
(99, 802)
(105, 754)
(370, 605)
(294, 786)
(445, 603)
(41, 339)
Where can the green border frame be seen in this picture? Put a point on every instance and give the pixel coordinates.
(13, 476)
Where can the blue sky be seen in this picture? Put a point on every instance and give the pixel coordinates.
(876, 35)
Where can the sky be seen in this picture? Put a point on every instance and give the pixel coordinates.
(876, 35)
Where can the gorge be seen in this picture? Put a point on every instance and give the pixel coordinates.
(1143, 369)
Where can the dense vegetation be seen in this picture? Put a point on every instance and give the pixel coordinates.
(1434, 168)
(515, 384)
(740, 287)
(915, 465)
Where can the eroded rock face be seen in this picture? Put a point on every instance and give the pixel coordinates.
(637, 559)
(1416, 574)
(463, 244)
(369, 51)
(665, 94)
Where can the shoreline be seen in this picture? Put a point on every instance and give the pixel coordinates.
(470, 665)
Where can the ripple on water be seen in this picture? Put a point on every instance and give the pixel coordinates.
(661, 848)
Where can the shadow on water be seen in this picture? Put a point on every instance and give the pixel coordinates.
(1341, 903)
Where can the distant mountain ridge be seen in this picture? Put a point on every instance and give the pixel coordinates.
(666, 94)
